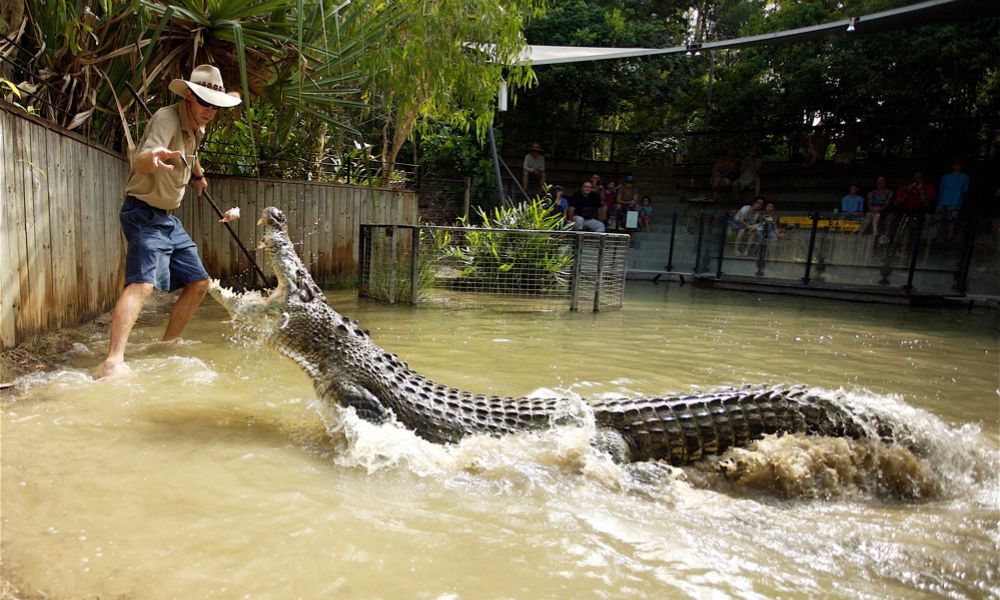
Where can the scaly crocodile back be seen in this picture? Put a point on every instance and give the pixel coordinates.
(349, 369)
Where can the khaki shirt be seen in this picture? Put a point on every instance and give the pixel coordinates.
(533, 164)
(170, 128)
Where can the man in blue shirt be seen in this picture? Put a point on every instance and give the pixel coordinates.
(952, 192)
(852, 203)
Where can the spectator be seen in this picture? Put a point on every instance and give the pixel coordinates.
(744, 222)
(559, 202)
(749, 173)
(645, 214)
(595, 183)
(878, 201)
(853, 203)
(915, 197)
(585, 209)
(608, 202)
(724, 173)
(533, 167)
(953, 190)
(769, 227)
(627, 199)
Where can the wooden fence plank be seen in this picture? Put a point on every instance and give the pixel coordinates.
(11, 231)
(61, 209)
(32, 298)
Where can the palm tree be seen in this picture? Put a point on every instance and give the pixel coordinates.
(305, 67)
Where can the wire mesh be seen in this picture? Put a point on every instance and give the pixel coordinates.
(501, 268)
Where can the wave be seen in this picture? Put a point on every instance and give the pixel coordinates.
(927, 459)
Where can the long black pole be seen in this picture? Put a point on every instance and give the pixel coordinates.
(496, 165)
(207, 196)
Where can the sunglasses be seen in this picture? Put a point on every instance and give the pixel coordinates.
(205, 104)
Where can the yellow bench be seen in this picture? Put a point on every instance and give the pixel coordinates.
(831, 224)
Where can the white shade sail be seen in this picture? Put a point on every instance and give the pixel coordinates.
(921, 13)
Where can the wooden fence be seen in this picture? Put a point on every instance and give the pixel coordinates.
(61, 248)
(323, 221)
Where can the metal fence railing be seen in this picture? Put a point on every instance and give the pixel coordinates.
(510, 268)
(908, 253)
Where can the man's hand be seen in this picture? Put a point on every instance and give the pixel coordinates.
(160, 156)
(199, 185)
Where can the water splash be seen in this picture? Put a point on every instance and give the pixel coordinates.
(928, 460)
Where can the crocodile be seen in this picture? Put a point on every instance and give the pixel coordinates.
(349, 369)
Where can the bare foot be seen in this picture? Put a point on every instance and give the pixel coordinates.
(111, 369)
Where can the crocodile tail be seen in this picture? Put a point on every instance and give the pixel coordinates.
(683, 429)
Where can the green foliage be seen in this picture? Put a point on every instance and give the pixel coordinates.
(448, 151)
(913, 91)
(391, 280)
(322, 76)
(13, 92)
(443, 63)
(501, 255)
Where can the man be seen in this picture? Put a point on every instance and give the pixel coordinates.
(160, 252)
(585, 208)
(916, 197)
(952, 192)
(745, 221)
(533, 167)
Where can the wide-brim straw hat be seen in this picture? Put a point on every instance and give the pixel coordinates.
(206, 83)
(536, 146)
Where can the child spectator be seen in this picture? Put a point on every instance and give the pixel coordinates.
(853, 203)
(559, 202)
(645, 214)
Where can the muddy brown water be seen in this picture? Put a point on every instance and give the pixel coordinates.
(213, 472)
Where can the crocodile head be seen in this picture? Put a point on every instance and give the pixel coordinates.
(295, 285)
(297, 321)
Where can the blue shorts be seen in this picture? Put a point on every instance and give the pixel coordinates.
(159, 250)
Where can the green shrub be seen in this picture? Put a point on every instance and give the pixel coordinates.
(499, 257)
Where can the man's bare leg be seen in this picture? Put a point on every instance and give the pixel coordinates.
(123, 318)
(184, 308)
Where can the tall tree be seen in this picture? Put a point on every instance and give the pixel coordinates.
(434, 66)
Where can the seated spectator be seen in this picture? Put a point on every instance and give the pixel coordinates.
(586, 209)
(915, 197)
(878, 201)
(598, 187)
(749, 173)
(769, 227)
(608, 201)
(533, 167)
(724, 173)
(627, 199)
(853, 203)
(953, 190)
(744, 222)
(645, 214)
(559, 202)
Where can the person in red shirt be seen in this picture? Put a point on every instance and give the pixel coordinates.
(917, 196)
